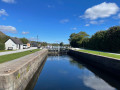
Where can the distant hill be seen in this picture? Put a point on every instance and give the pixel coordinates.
(2, 34)
(3, 37)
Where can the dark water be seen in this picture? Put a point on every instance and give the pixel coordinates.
(66, 73)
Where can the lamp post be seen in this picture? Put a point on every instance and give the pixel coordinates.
(37, 41)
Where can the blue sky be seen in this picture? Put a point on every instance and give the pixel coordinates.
(54, 20)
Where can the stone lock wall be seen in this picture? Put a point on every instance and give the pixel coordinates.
(108, 64)
(16, 74)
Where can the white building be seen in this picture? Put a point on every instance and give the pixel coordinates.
(13, 44)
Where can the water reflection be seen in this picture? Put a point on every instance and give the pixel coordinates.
(33, 81)
(97, 78)
(66, 73)
(96, 83)
(73, 62)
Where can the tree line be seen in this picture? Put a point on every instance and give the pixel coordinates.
(107, 40)
(4, 38)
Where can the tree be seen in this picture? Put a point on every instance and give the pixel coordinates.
(34, 44)
(24, 40)
(54, 44)
(97, 41)
(85, 43)
(61, 44)
(108, 40)
(73, 40)
(3, 39)
(112, 39)
(77, 39)
(2, 46)
(43, 44)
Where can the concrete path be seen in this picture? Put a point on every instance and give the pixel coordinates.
(10, 52)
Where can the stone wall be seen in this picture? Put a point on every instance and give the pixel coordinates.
(16, 74)
(108, 64)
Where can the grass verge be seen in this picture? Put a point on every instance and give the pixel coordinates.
(101, 53)
(6, 50)
(9, 57)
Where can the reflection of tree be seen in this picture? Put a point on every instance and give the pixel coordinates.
(73, 62)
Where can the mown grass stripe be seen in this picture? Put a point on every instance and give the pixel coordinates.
(101, 53)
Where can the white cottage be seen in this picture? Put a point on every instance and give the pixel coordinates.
(13, 44)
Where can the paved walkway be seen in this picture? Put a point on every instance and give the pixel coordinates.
(10, 52)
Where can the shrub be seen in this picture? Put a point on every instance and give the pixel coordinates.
(2, 46)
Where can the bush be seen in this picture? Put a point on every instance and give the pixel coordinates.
(2, 46)
(24, 40)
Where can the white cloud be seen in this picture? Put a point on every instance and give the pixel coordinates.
(64, 21)
(96, 83)
(9, 1)
(25, 32)
(9, 29)
(87, 25)
(3, 12)
(74, 28)
(93, 22)
(96, 22)
(102, 21)
(102, 10)
(117, 16)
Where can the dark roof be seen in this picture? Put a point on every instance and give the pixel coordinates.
(16, 40)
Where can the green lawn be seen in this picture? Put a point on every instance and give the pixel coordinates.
(101, 53)
(6, 50)
(9, 57)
